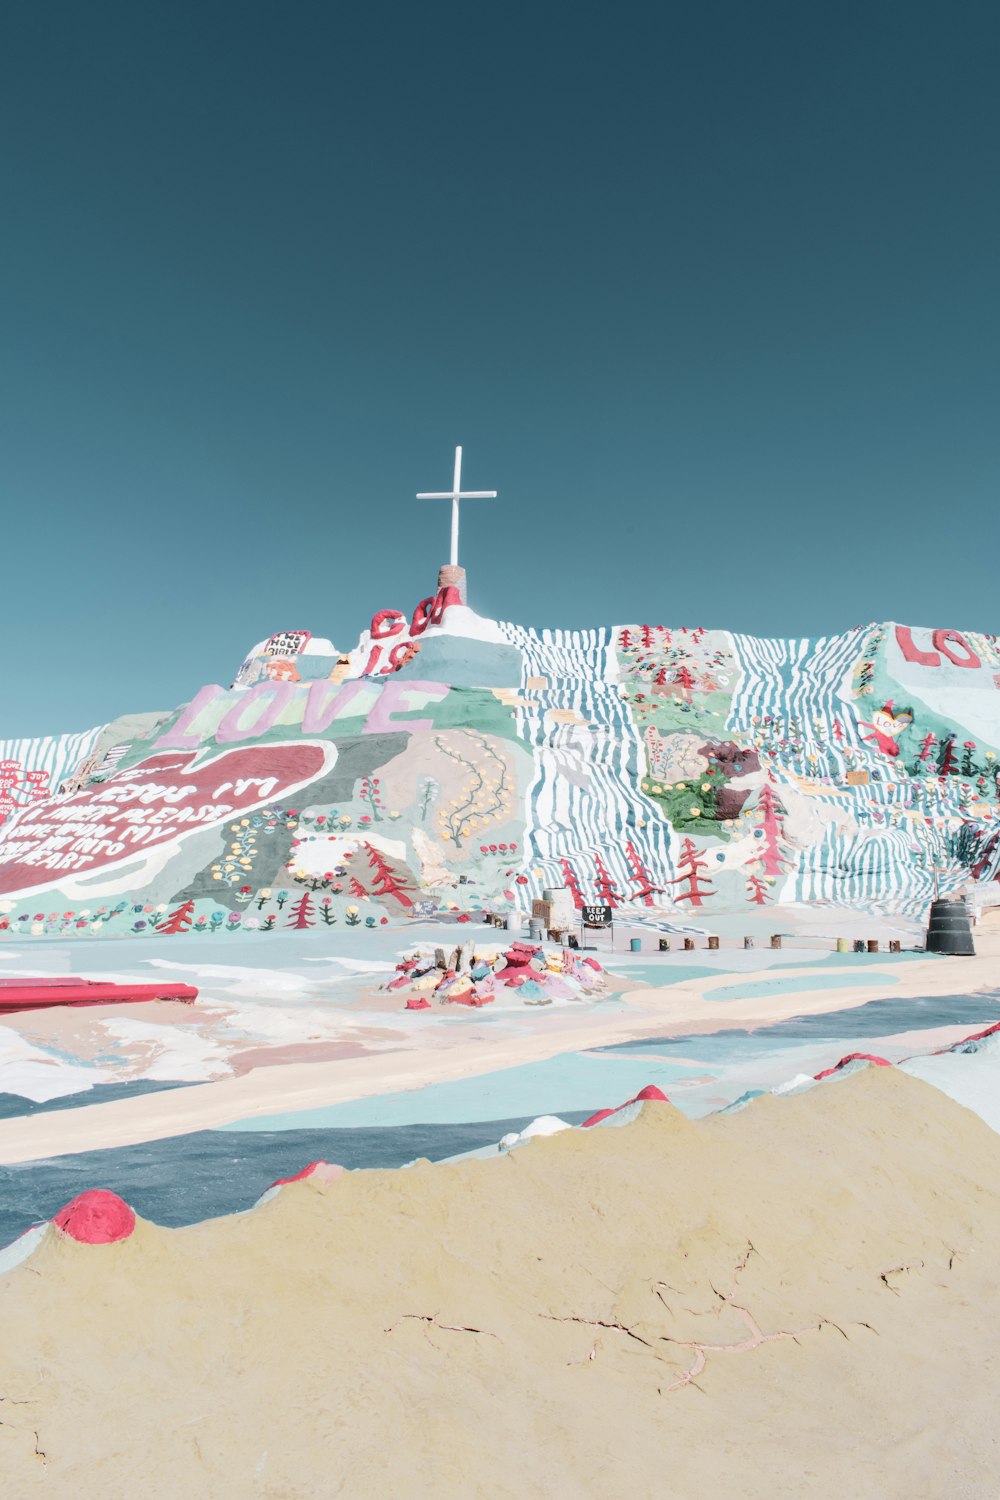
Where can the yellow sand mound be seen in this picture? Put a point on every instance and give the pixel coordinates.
(797, 1300)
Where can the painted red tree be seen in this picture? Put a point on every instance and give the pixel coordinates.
(643, 879)
(625, 640)
(691, 868)
(927, 747)
(684, 679)
(385, 881)
(756, 891)
(357, 889)
(947, 764)
(178, 920)
(572, 883)
(605, 886)
(301, 912)
(771, 813)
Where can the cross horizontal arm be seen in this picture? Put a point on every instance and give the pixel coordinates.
(458, 495)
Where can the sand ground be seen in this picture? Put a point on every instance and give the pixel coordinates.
(796, 1300)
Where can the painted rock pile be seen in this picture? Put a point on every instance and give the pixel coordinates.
(524, 972)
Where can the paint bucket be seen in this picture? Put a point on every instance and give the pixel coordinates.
(713, 943)
(536, 928)
(664, 945)
(843, 946)
(949, 929)
(514, 922)
(635, 944)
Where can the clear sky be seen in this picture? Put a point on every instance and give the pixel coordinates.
(709, 292)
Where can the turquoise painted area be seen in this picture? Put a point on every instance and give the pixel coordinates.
(660, 974)
(674, 968)
(793, 983)
(843, 960)
(575, 1081)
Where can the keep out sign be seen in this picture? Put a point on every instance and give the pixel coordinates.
(161, 800)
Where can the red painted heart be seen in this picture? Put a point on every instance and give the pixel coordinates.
(161, 800)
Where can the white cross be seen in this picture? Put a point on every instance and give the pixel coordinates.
(455, 495)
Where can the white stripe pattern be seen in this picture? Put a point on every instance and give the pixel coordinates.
(584, 798)
(59, 755)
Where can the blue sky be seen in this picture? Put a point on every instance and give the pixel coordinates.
(709, 293)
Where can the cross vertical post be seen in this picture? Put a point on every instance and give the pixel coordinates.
(456, 491)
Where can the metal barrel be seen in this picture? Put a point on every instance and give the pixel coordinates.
(949, 929)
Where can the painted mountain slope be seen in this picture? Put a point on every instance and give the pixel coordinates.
(450, 762)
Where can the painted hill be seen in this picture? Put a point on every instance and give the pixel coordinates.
(450, 762)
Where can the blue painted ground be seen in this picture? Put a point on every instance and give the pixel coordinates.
(877, 1018)
(185, 1179)
(12, 1105)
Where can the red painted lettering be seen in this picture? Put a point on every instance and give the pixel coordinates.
(386, 623)
(942, 638)
(912, 652)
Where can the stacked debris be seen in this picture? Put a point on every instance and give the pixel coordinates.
(476, 977)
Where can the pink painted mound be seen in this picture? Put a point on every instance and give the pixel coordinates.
(419, 1004)
(96, 1217)
(649, 1092)
(869, 1057)
(323, 1171)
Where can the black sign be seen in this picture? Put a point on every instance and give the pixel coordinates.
(596, 916)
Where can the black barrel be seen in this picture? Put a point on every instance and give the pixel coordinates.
(949, 929)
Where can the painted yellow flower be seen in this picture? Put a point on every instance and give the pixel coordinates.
(696, 812)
